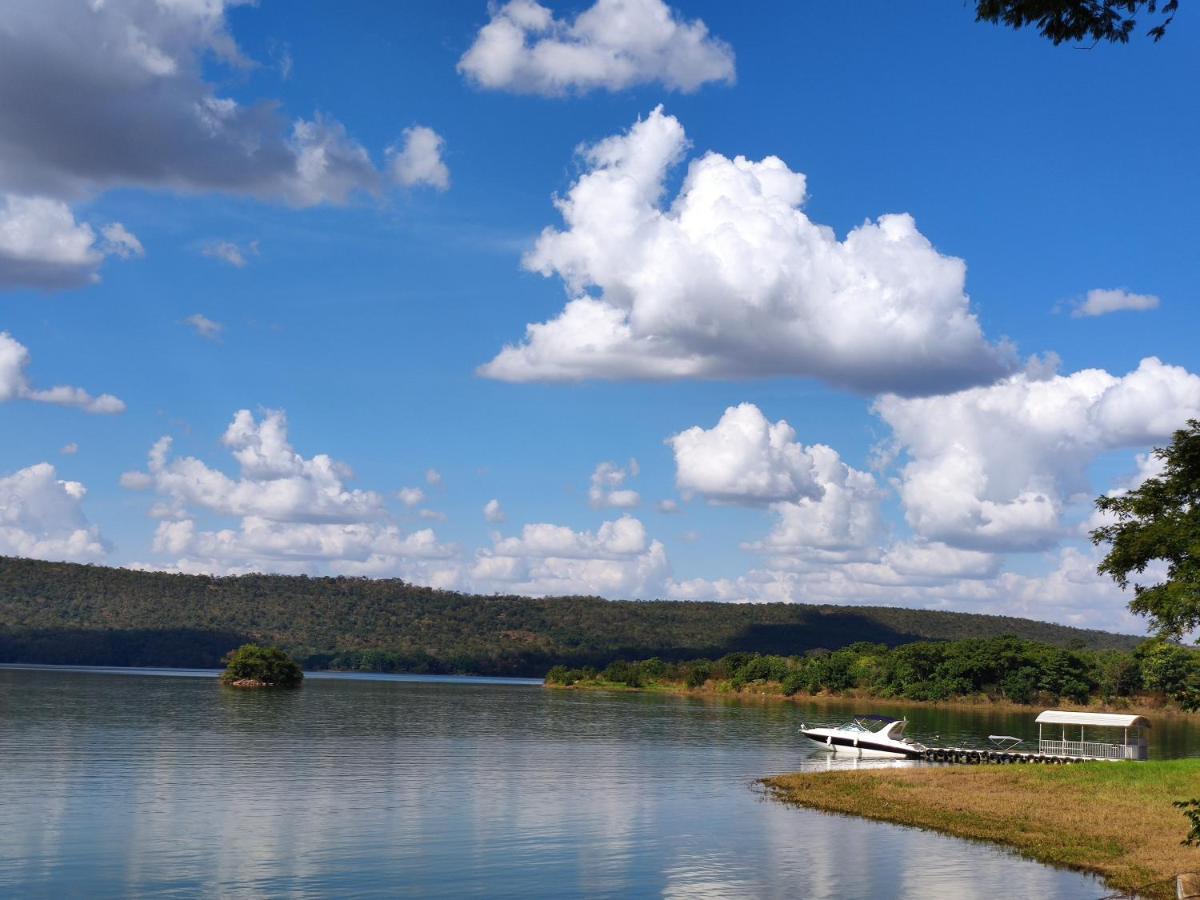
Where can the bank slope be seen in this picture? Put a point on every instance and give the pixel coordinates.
(93, 615)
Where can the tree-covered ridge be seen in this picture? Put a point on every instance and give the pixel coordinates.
(91, 615)
(999, 668)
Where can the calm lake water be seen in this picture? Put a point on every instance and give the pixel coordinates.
(115, 785)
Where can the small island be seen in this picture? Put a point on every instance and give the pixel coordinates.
(252, 666)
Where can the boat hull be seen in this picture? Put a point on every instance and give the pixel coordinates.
(863, 746)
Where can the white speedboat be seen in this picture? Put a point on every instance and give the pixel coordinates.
(866, 736)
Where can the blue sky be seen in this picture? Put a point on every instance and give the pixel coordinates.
(365, 307)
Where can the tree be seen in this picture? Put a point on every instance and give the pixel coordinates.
(261, 666)
(1077, 20)
(1160, 522)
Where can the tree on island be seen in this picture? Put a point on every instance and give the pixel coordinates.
(253, 666)
(1079, 20)
(1159, 522)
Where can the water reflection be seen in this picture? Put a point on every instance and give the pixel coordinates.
(117, 785)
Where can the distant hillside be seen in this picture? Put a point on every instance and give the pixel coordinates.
(89, 615)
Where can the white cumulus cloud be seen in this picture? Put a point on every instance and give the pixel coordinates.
(993, 468)
(1101, 302)
(295, 513)
(411, 496)
(493, 512)
(43, 246)
(418, 160)
(15, 385)
(823, 507)
(41, 517)
(115, 94)
(608, 489)
(618, 560)
(613, 44)
(731, 279)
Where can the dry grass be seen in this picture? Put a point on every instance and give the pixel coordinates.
(1114, 819)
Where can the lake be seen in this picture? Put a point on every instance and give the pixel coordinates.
(117, 784)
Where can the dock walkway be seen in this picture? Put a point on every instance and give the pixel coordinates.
(974, 755)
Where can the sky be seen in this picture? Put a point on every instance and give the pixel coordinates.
(812, 303)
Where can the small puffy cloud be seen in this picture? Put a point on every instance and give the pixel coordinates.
(295, 513)
(823, 507)
(992, 468)
(204, 326)
(69, 449)
(613, 44)
(668, 506)
(41, 517)
(119, 242)
(411, 496)
(43, 246)
(431, 515)
(493, 512)
(607, 488)
(15, 385)
(114, 94)
(731, 279)
(418, 160)
(433, 477)
(743, 459)
(230, 253)
(618, 560)
(1102, 302)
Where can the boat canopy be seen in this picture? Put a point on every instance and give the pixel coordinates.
(1109, 720)
(878, 718)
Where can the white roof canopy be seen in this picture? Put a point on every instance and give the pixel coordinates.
(1111, 720)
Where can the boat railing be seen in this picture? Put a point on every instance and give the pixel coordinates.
(1089, 749)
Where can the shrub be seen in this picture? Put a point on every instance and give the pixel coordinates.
(699, 673)
(269, 666)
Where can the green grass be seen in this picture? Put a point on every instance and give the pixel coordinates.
(1113, 819)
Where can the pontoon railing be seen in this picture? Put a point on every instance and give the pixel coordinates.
(1091, 749)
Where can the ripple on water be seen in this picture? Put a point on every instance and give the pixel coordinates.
(119, 785)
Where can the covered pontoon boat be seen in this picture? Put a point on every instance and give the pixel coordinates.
(1060, 740)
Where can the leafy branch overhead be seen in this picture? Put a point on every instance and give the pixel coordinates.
(1159, 523)
(1064, 21)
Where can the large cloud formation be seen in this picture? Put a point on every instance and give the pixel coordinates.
(95, 96)
(992, 468)
(41, 517)
(732, 279)
(296, 513)
(612, 45)
(15, 384)
(101, 95)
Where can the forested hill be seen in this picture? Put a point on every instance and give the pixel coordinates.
(89, 615)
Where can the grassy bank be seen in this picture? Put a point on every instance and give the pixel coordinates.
(1113, 819)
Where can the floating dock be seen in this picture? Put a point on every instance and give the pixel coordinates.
(976, 756)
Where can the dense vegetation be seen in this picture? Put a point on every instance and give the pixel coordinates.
(1006, 668)
(91, 615)
(265, 666)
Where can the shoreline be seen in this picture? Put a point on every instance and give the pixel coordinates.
(1114, 820)
(765, 693)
